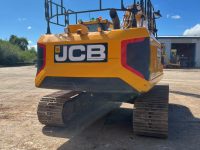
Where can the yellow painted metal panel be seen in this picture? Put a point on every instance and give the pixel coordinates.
(111, 69)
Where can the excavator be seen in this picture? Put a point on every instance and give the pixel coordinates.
(97, 61)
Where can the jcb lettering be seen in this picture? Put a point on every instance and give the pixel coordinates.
(81, 53)
(96, 52)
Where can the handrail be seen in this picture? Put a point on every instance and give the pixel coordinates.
(146, 6)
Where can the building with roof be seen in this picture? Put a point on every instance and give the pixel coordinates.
(182, 50)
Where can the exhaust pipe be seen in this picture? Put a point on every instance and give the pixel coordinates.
(115, 19)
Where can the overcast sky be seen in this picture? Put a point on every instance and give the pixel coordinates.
(25, 18)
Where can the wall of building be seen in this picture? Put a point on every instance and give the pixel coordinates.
(169, 40)
(167, 43)
(197, 54)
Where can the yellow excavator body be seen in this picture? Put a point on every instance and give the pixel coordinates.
(101, 63)
(118, 64)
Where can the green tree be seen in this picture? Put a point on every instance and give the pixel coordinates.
(21, 42)
(12, 54)
(13, 39)
(9, 53)
(32, 50)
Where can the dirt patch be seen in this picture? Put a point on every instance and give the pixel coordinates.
(20, 129)
(3, 111)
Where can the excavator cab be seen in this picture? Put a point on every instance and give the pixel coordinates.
(98, 24)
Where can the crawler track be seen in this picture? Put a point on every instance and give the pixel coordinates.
(150, 116)
(70, 109)
(51, 108)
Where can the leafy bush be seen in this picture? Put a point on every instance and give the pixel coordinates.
(13, 55)
(28, 57)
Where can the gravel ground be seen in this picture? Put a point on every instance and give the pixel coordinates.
(20, 129)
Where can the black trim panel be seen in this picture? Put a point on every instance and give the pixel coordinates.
(106, 85)
(138, 57)
(40, 57)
